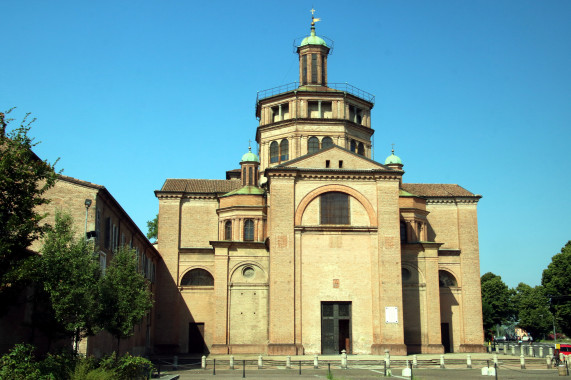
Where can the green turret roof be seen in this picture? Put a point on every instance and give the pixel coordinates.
(250, 157)
(313, 39)
(393, 159)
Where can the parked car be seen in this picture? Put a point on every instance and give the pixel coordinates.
(500, 339)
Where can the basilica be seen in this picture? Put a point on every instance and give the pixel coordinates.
(312, 247)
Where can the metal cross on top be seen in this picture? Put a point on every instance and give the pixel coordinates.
(313, 19)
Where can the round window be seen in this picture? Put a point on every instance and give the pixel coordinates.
(248, 272)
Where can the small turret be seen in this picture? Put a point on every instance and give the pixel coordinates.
(313, 51)
(249, 165)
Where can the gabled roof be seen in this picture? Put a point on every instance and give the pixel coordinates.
(201, 185)
(437, 190)
(304, 162)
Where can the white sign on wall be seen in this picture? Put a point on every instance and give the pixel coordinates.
(391, 314)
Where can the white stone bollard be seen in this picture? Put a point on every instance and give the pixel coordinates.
(344, 359)
(288, 362)
(203, 362)
(540, 351)
(485, 371)
(469, 361)
(513, 350)
(260, 362)
(522, 361)
(315, 362)
(175, 362)
(231, 361)
(442, 361)
(406, 372)
(548, 362)
(504, 348)
(550, 352)
(531, 351)
(496, 359)
(414, 361)
(387, 359)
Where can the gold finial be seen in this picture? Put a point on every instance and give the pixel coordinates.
(313, 19)
(249, 145)
(393, 150)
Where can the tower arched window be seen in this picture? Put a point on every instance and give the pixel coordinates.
(284, 150)
(312, 145)
(334, 208)
(361, 149)
(327, 142)
(248, 230)
(403, 238)
(228, 230)
(353, 145)
(274, 152)
(446, 279)
(197, 277)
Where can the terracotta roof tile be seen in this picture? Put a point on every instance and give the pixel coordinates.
(201, 185)
(437, 190)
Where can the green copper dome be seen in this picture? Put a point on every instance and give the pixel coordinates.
(393, 159)
(250, 157)
(313, 39)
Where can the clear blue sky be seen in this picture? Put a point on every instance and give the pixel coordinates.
(129, 93)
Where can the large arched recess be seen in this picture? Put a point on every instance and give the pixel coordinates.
(339, 188)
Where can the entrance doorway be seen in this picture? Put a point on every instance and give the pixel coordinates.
(335, 327)
(196, 338)
(445, 333)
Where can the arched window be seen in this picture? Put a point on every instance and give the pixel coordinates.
(228, 230)
(274, 152)
(327, 142)
(197, 277)
(406, 275)
(251, 176)
(248, 230)
(361, 149)
(312, 145)
(334, 207)
(446, 279)
(284, 150)
(403, 238)
(353, 145)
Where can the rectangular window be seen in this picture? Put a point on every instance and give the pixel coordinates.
(313, 110)
(326, 163)
(275, 114)
(334, 208)
(313, 68)
(304, 69)
(340, 164)
(326, 110)
(107, 233)
(323, 70)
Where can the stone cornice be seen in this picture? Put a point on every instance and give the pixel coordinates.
(452, 200)
(323, 228)
(201, 250)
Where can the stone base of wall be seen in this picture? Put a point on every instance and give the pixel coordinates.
(471, 348)
(218, 349)
(425, 349)
(394, 349)
(285, 349)
(247, 349)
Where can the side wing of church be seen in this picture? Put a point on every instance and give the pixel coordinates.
(312, 247)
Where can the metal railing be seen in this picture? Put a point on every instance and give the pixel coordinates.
(344, 87)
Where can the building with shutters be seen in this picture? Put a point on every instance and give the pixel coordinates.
(313, 247)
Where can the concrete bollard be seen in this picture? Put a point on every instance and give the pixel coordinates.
(315, 362)
(288, 362)
(468, 361)
(540, 351)
(504, 348)
(414, 361)
(344, 359)
(522, 361)
(548, 362)
(531, 353)
(175, 362)
(496, 359)
(231, 361)
(260, 362)
(387, 359)
(550, 352)
(442, 361)
(203, 362)
(513, 350)
(489, 348)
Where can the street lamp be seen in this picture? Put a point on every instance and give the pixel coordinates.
(87, 205)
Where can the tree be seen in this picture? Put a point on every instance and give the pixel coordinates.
(496, 301)
(124, 296)
(532, 309)
(153, 228)
(24, 179)
(556, 280)
(69, 273)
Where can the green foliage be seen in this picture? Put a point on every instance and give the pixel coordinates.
(58, 365)
(87, 369)
(24, 179)
(69, 273)
(128, 367)
(153, 228)
(556, 280)
(496, 301)
(19, 364)
(124, 297)
(533, 309)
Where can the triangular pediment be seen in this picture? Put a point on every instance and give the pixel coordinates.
(336, 157)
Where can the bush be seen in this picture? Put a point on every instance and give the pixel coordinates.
(59, 365)
(85, 370)
(128, 367)
(19, 364)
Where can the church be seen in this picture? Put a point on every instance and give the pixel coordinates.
(312, 247)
